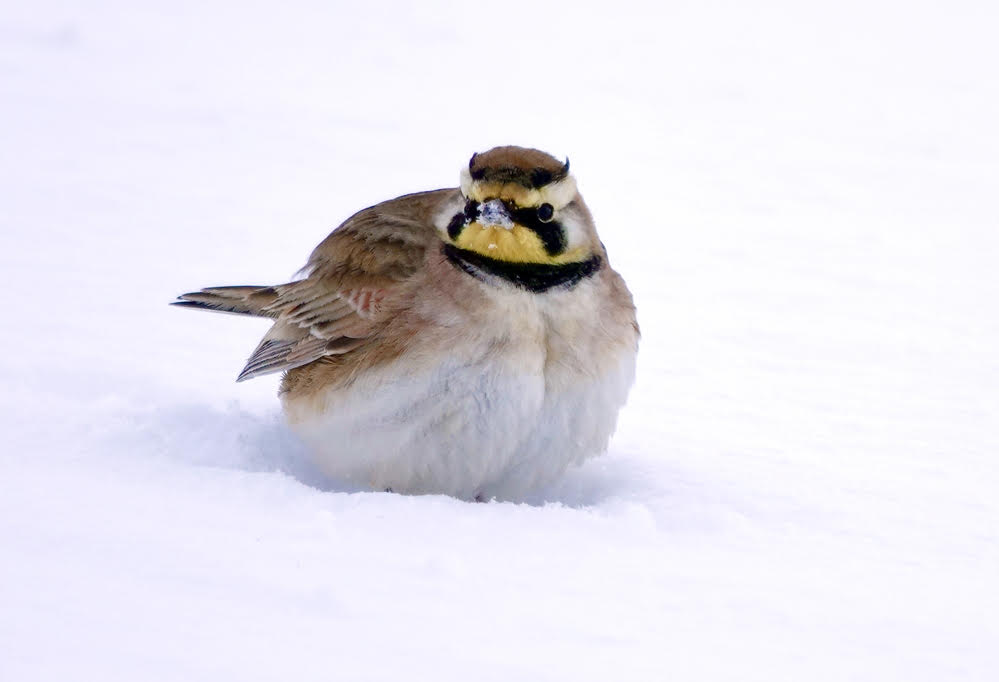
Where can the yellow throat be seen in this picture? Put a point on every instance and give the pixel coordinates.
(517, 244)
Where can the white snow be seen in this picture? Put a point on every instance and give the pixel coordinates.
(802, 197)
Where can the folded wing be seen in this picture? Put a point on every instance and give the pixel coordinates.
(354, 281)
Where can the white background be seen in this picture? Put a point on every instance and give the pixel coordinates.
(802, 197)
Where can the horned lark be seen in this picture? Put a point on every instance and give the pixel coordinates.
(470, 341)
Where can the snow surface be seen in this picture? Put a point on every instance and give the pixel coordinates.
(802, 196)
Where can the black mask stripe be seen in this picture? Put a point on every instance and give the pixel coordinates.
(461, 220)
(551, 233)
(456, 225)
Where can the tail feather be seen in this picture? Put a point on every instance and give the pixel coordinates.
(239, 300)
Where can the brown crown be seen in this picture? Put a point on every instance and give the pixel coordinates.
(528, 167)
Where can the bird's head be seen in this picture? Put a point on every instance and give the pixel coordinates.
(521, 206)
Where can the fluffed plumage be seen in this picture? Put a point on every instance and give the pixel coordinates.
(470, 341)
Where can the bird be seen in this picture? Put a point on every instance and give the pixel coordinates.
(470, 341)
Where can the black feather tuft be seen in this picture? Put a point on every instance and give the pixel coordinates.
(476, 174)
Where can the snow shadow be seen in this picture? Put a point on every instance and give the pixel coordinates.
(612, 476)
(229, 438)
(234, 438)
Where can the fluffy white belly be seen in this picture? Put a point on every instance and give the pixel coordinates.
(484, 429)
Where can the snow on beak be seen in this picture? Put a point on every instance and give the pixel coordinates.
(493, 213)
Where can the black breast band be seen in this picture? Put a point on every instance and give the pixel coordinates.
(536, 277)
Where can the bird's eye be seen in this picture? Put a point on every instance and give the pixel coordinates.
(546, 212)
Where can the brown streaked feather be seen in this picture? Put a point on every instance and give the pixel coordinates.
(239, 300)
(353, 281)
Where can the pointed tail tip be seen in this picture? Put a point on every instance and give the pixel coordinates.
(185, 299)
(247, 373)
(181, 302)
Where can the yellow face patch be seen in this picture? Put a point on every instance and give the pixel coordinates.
(515, 245)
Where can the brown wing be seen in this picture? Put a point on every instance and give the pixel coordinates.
(354, 280)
